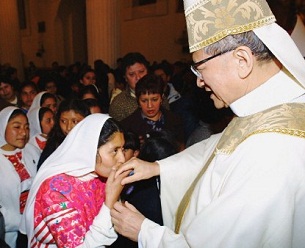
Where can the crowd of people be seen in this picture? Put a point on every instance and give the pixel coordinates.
(138, 155)
(38, 114)
(102, 84)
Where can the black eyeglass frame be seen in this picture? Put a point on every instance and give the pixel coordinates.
(194, 66)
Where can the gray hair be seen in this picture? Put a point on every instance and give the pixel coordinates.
(249, 39)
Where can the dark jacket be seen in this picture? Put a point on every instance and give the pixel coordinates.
(135, 123)
(4, 104)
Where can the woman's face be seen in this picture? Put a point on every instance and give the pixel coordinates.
(51, 87)
(47, 122)
(110, 155)
(88, 79)
(51, 104)
(150, 105)
(27, 96)
(129, 153)
(16, 133)
(68, 120)
(7, 91)
(134, 73)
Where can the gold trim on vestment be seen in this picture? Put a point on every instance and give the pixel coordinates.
(286, 119)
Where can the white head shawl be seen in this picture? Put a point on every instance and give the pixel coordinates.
(37, 100)
(75, 156)
(33, 117)
(4, 116)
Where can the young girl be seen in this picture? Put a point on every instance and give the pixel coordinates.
(41, 123)
(91, 92)
(145, 195)
(87, 77)
(93, 105)
(27, 93)
(131, 146)
(70, 112)
(17, 168)
(70, 200)
(49, 84)
(45, 99)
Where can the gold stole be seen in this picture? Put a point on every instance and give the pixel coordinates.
(286, 119)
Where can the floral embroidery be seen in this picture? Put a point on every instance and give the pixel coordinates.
(63, 214)
(278, 119)
(60, 184)
(223, 18)
(214, 2)
(211, 20)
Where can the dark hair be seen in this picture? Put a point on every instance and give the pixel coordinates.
(41, 113)
(83, 72)
(166, 67)
(91, 102)
(11, 70)
(44, 80)
(150, 84)
(45, 96)
(22, 86)
(73, 104)
(249, 39)
(28, 83)
(56, 136)
(132, 141)
(62, 68)
(102, 101)
(131, 58)
(101, 71)
(89, 89)
(110, 127)
(15, 113)
(6, 80)
(158, 145)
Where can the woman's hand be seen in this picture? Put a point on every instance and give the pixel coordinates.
(127, 220)
(141, 170)
(114, 187)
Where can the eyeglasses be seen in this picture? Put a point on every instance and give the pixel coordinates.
(201, 62)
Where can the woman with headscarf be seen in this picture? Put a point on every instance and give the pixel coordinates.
(18, 161)
(45, 99)
(41, 123)
(70, 200)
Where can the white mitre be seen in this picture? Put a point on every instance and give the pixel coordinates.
(209, 21)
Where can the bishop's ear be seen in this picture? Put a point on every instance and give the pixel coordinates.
(244, 59)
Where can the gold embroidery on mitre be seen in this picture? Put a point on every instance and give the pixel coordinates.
(287, 119)
(208, 21)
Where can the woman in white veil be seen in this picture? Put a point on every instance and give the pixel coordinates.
(69, 201)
